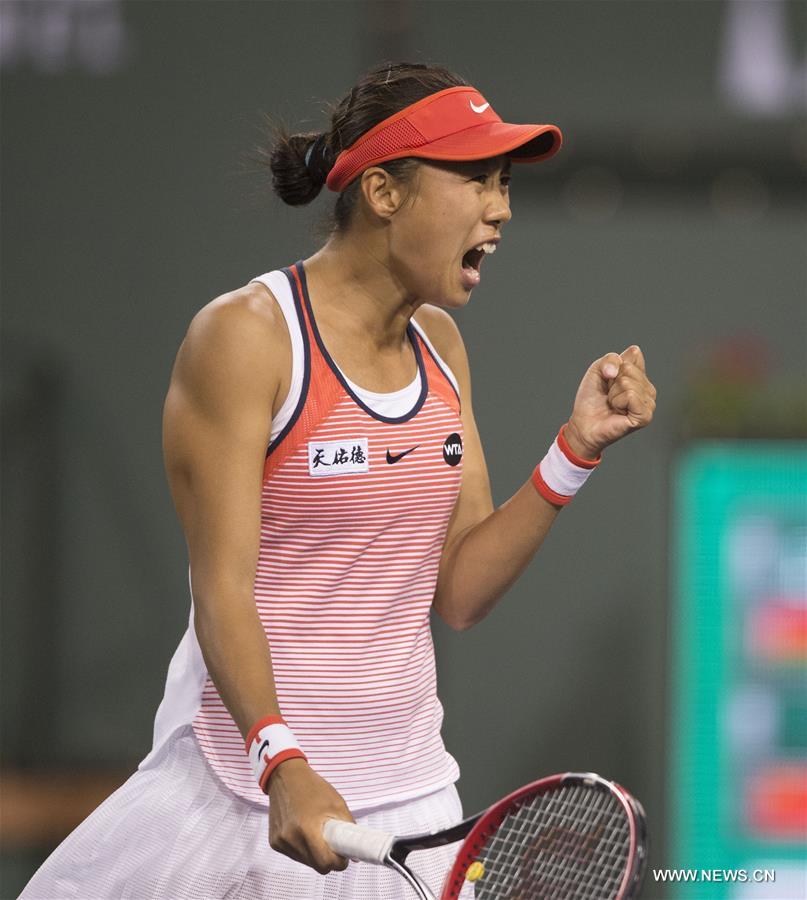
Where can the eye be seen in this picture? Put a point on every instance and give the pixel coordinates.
(504, 180)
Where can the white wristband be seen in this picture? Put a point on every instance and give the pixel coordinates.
(268, 745)
(561, 473)
(563, 476)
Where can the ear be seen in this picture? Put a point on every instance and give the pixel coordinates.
(383, 193)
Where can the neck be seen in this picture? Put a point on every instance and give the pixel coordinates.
(354, 284)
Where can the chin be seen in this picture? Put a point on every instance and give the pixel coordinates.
(445, 293)
(449, 301)
(456, 302)
(452, 296)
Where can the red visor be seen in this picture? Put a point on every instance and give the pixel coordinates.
(456, 124)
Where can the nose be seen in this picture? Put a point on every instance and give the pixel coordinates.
(498, 211)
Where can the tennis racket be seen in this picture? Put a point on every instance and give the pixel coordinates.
(573, 836)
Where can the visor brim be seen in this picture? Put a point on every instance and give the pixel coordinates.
(522, 143)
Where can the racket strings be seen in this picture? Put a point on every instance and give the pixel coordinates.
(571, 842)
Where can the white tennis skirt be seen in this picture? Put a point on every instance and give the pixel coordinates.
(173, 830)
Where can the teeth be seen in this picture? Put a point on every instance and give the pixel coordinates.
(488, 247)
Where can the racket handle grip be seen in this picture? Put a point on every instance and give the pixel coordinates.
(357, 841)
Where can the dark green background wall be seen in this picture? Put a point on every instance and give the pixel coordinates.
(671, 219)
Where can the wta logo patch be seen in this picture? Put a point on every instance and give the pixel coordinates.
(452, 449)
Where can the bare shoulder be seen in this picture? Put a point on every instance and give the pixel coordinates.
(246, 323)
(238, 341)
(442, 331)
(249, 315)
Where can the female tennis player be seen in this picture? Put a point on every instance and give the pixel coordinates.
(323, 458)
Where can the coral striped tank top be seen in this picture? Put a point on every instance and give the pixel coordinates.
(354, 510)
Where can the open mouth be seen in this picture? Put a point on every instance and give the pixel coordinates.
(472, 261)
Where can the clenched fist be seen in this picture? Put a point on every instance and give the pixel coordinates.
(615, 397)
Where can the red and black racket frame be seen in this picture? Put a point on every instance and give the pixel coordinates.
(479, 828)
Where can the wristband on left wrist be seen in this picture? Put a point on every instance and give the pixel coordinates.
(561, 473)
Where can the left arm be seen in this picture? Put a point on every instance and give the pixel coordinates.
(486, 549)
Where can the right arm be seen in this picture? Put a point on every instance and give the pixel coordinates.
(216, 426)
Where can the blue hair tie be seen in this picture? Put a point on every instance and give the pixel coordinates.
(310, 151)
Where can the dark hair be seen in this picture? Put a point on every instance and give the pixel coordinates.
(300, 162)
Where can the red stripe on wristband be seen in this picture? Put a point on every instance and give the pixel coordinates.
(572, 456)
(546, 491)
(291, 753)
(261, 723)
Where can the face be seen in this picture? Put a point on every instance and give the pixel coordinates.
(452, 218)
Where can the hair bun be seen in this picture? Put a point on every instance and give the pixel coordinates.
(299, 167)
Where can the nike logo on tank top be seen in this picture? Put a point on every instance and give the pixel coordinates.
(349, 552)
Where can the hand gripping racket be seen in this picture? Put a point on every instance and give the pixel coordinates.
(573, 836)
